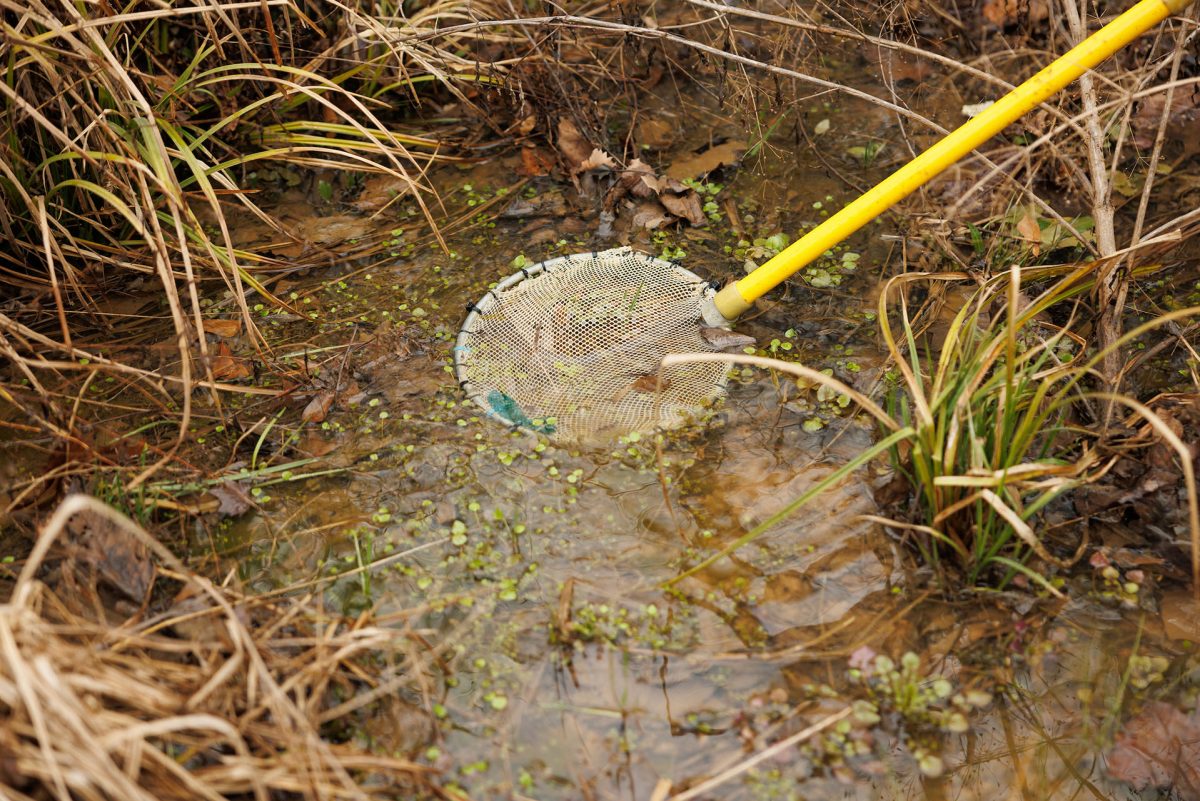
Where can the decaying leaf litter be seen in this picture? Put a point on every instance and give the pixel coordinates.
(752, 643)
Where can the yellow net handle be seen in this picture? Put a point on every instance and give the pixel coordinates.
(737, 297)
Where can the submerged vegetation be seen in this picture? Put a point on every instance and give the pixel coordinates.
(237, 239)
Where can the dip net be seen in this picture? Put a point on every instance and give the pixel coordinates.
(571, 347)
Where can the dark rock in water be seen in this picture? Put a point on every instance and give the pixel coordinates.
(550, 204)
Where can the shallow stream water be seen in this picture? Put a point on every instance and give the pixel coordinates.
(534, 571)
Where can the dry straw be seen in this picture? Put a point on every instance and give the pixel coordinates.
(222, 697)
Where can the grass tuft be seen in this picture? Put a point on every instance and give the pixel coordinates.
(987, 424)
(1003, 426)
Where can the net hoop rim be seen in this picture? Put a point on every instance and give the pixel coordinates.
(491, 297)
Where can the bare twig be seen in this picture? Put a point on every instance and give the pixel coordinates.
(1110, 286)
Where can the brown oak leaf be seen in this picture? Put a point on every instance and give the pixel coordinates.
(121, 560)
(1160, 747)
(571, 144)
(318, 407)
(223, 328)
(232, 499)
(596, 161)
(535, 162)
(226, 366)
(686, 206)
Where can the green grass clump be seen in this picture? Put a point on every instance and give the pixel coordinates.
(1003, 426)
(995, 440)
(987, 425)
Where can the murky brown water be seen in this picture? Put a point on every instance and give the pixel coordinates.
(571, 673)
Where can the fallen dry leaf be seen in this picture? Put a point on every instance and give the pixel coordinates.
(1160, 747)
(398, 725)
(686, 206)
(542, 236)
(639, 179)
(656, 132)
(226, 366)
(232, 498)
(223, 328)
(318, 407)
(1030, 231)
(334, 229)
(649, 383)
(397, 379)
(1003, 13)
(1183, 121)
(1181, 615)
(649, 215)
(535, 162)
(572, 146)
(302, 229)
(550, 204)
(724, 339)
(349, 390)
(703, 163)
(121, 561)
(526, 124)
(313, 444)
(379, 191)
(596, 161)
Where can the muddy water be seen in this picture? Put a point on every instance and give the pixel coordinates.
(571, 667)
(558, 666)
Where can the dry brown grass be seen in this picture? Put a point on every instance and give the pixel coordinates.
(219, 697)
(125, 147)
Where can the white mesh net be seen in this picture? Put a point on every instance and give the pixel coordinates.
(571, 347)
